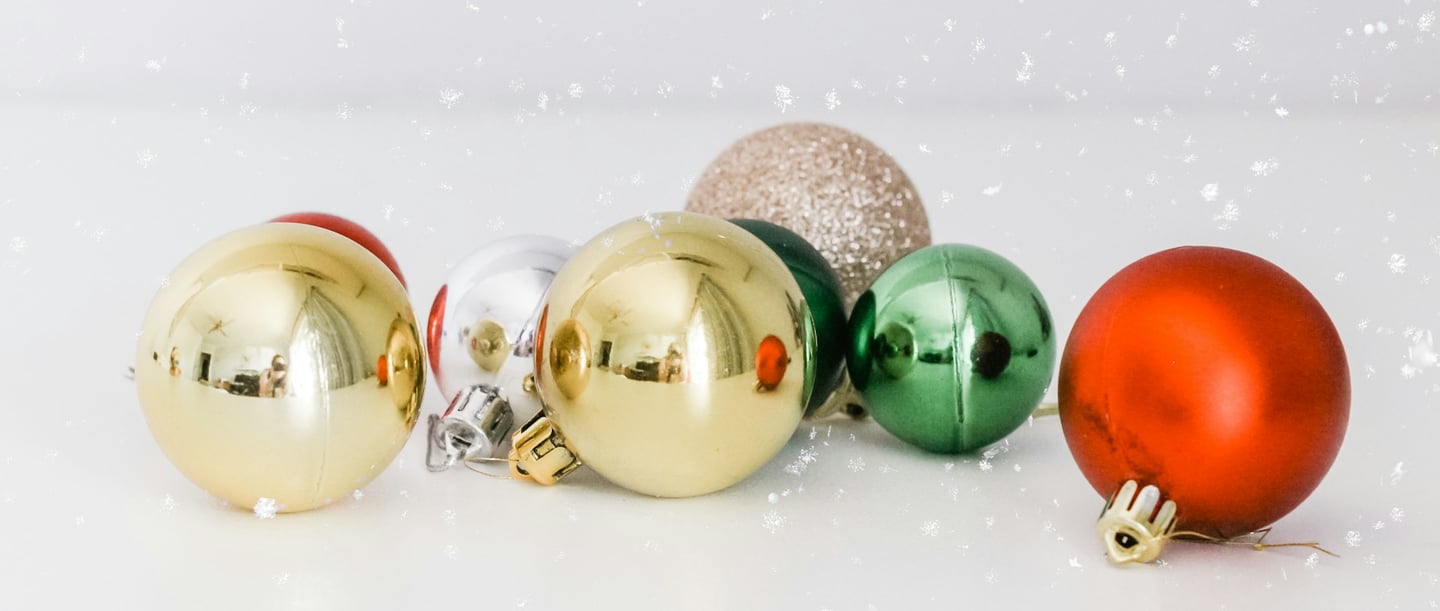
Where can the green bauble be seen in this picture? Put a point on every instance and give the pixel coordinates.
(823, 294)
(952, 348)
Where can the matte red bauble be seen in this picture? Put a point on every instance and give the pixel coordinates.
(1213, 375)
(349, 229)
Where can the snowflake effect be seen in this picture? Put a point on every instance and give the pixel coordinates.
(773, 521)
(784, 100)
(449, 97)
(803, 461)
(265, 508)
(1397, 264)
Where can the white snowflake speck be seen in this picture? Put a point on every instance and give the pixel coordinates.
(1397, 264)
(1353, 538)
(784, 99)
(450, 96)
(1229, 214)
(1210, 192)
(18, 244)
(145, 157)
(773, 521)
(1312, 560)
(930, 528)
(856, 465)
(1026, 70)
(1244, 43)
(265, 508)
(1282, 112)
(1397, 515)
(992, 189)
(1265, 167)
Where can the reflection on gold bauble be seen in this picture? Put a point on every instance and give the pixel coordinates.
(839, 191)
(282, 362)
(660, 354)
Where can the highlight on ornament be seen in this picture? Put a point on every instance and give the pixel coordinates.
(674, 356)
(281, 367)
(481, 340)
(1209, 377)
(951, 348)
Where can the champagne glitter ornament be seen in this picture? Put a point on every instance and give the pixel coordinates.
(674, 355)
(832, 187)
(280, 366)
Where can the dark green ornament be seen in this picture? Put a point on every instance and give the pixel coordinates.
(952, 347)
(823, 292)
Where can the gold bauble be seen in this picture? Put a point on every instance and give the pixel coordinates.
(280, 362)
(839, 191)
(675, 354)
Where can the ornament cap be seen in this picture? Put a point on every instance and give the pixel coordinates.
(539, 454)
(474, 426)
(1131, 527)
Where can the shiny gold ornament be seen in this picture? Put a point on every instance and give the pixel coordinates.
(657, 358)
(281, 363)
(836, 189)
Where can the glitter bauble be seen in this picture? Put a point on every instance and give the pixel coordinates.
(281, 365)
(823, 295)
(952, 348)
(349, 229)
(836, 189)
(675, 354)
(1212, 375)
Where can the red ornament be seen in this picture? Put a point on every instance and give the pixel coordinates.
(349, 229)
(435, 328)
(1213, 375)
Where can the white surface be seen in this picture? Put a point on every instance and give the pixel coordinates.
(107, 183)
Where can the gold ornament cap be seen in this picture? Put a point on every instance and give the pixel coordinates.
(538, 453)
(1131, 527)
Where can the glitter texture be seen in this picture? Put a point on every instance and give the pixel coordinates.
(836, 189)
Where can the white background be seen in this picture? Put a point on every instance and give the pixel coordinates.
(1072, 139)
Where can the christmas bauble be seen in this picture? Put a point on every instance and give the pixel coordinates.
(482, 323)
(952, 348)
(349, 229)
(823, 295)
(1213, 375)
(481, 342)
(834, 188)
(280, 366)
(675, 354)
